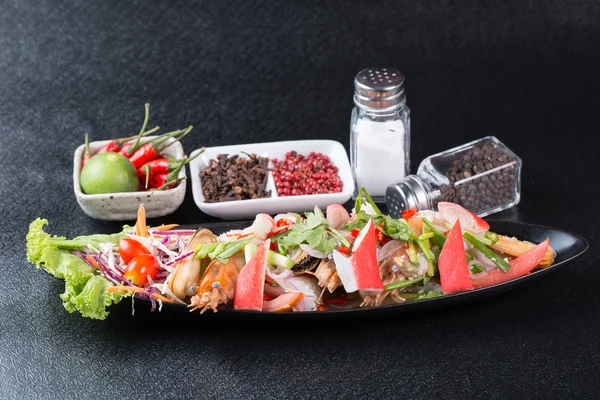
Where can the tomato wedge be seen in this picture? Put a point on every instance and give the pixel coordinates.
(130, 248)
(140, 267)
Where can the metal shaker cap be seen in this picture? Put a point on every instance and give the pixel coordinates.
(410, 193)
(379, 88)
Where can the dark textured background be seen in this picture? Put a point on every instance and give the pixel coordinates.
(244, 71)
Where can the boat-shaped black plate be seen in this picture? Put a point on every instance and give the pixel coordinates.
(568, 246)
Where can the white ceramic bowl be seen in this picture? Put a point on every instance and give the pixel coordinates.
(124, 206)
(274, 204)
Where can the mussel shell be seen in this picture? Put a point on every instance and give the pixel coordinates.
(307, 263)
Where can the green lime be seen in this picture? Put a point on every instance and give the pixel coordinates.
(109, 173)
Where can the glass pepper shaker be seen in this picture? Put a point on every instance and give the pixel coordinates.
(379, 131)
(484, 176)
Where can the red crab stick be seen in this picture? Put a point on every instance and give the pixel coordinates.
(283, 303)
(361, 271)
(519, 267)
(453, 266)
(453, 212)
(250, 286)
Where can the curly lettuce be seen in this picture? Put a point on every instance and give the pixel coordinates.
(85, 290)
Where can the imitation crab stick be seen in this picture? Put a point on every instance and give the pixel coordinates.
(283, 303)
(519, 267)
(361, 270)
(250, 285)
(157, 296)
(453, 266)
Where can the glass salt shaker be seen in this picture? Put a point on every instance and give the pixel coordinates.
(379, 131)
(484, 176)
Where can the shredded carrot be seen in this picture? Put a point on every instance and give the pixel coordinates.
(92, 261)
(134, 289)
(140, 226)
(164, 227)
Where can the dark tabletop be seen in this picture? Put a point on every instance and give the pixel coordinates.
(248, 71)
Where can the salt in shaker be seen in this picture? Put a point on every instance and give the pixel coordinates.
(379, 131)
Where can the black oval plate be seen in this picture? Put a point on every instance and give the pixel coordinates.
(567, 245)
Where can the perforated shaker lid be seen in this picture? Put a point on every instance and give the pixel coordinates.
(379, 88)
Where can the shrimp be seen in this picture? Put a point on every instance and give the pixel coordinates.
(395, 267)
(217, 286)
(327, 275)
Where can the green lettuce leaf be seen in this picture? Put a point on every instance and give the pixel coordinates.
(85, 290)
(91, 299)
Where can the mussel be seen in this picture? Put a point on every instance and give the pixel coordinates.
(306, 264)
(188, 271)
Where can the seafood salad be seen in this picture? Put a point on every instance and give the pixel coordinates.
(289, 262)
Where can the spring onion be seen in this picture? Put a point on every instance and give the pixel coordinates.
(499, 261)
(426, 236)
(402, 284)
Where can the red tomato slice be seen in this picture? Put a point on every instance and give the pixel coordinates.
(519, 267)
(130, 248)
(140, 267)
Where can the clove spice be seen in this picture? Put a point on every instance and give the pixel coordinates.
(235, 178)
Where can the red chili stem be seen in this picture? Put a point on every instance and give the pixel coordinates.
(175, 172)
(147, 172)
(87, 154)
(169, 184)
(185, 133)
(129, 149)
(146, 118)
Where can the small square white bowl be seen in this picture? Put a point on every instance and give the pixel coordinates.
(273, 205)
(124, 206)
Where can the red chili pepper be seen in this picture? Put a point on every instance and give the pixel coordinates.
(164, 181)
(158, 180)
(267, 297)
(151, 150)
(355, 233)
(111, 146)
(87, 154)
(321, 308)
(161, 165)
(407, 214)
(282, 222)
(162, 178)
(344, 250)
(128, 149)
(273, 246)
(380, 235)
(336, 300)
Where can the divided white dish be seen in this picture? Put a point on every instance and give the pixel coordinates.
(273, 205)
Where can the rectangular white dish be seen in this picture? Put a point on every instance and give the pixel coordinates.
(273, 205)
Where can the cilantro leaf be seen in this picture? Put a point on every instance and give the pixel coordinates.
(314, 231)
